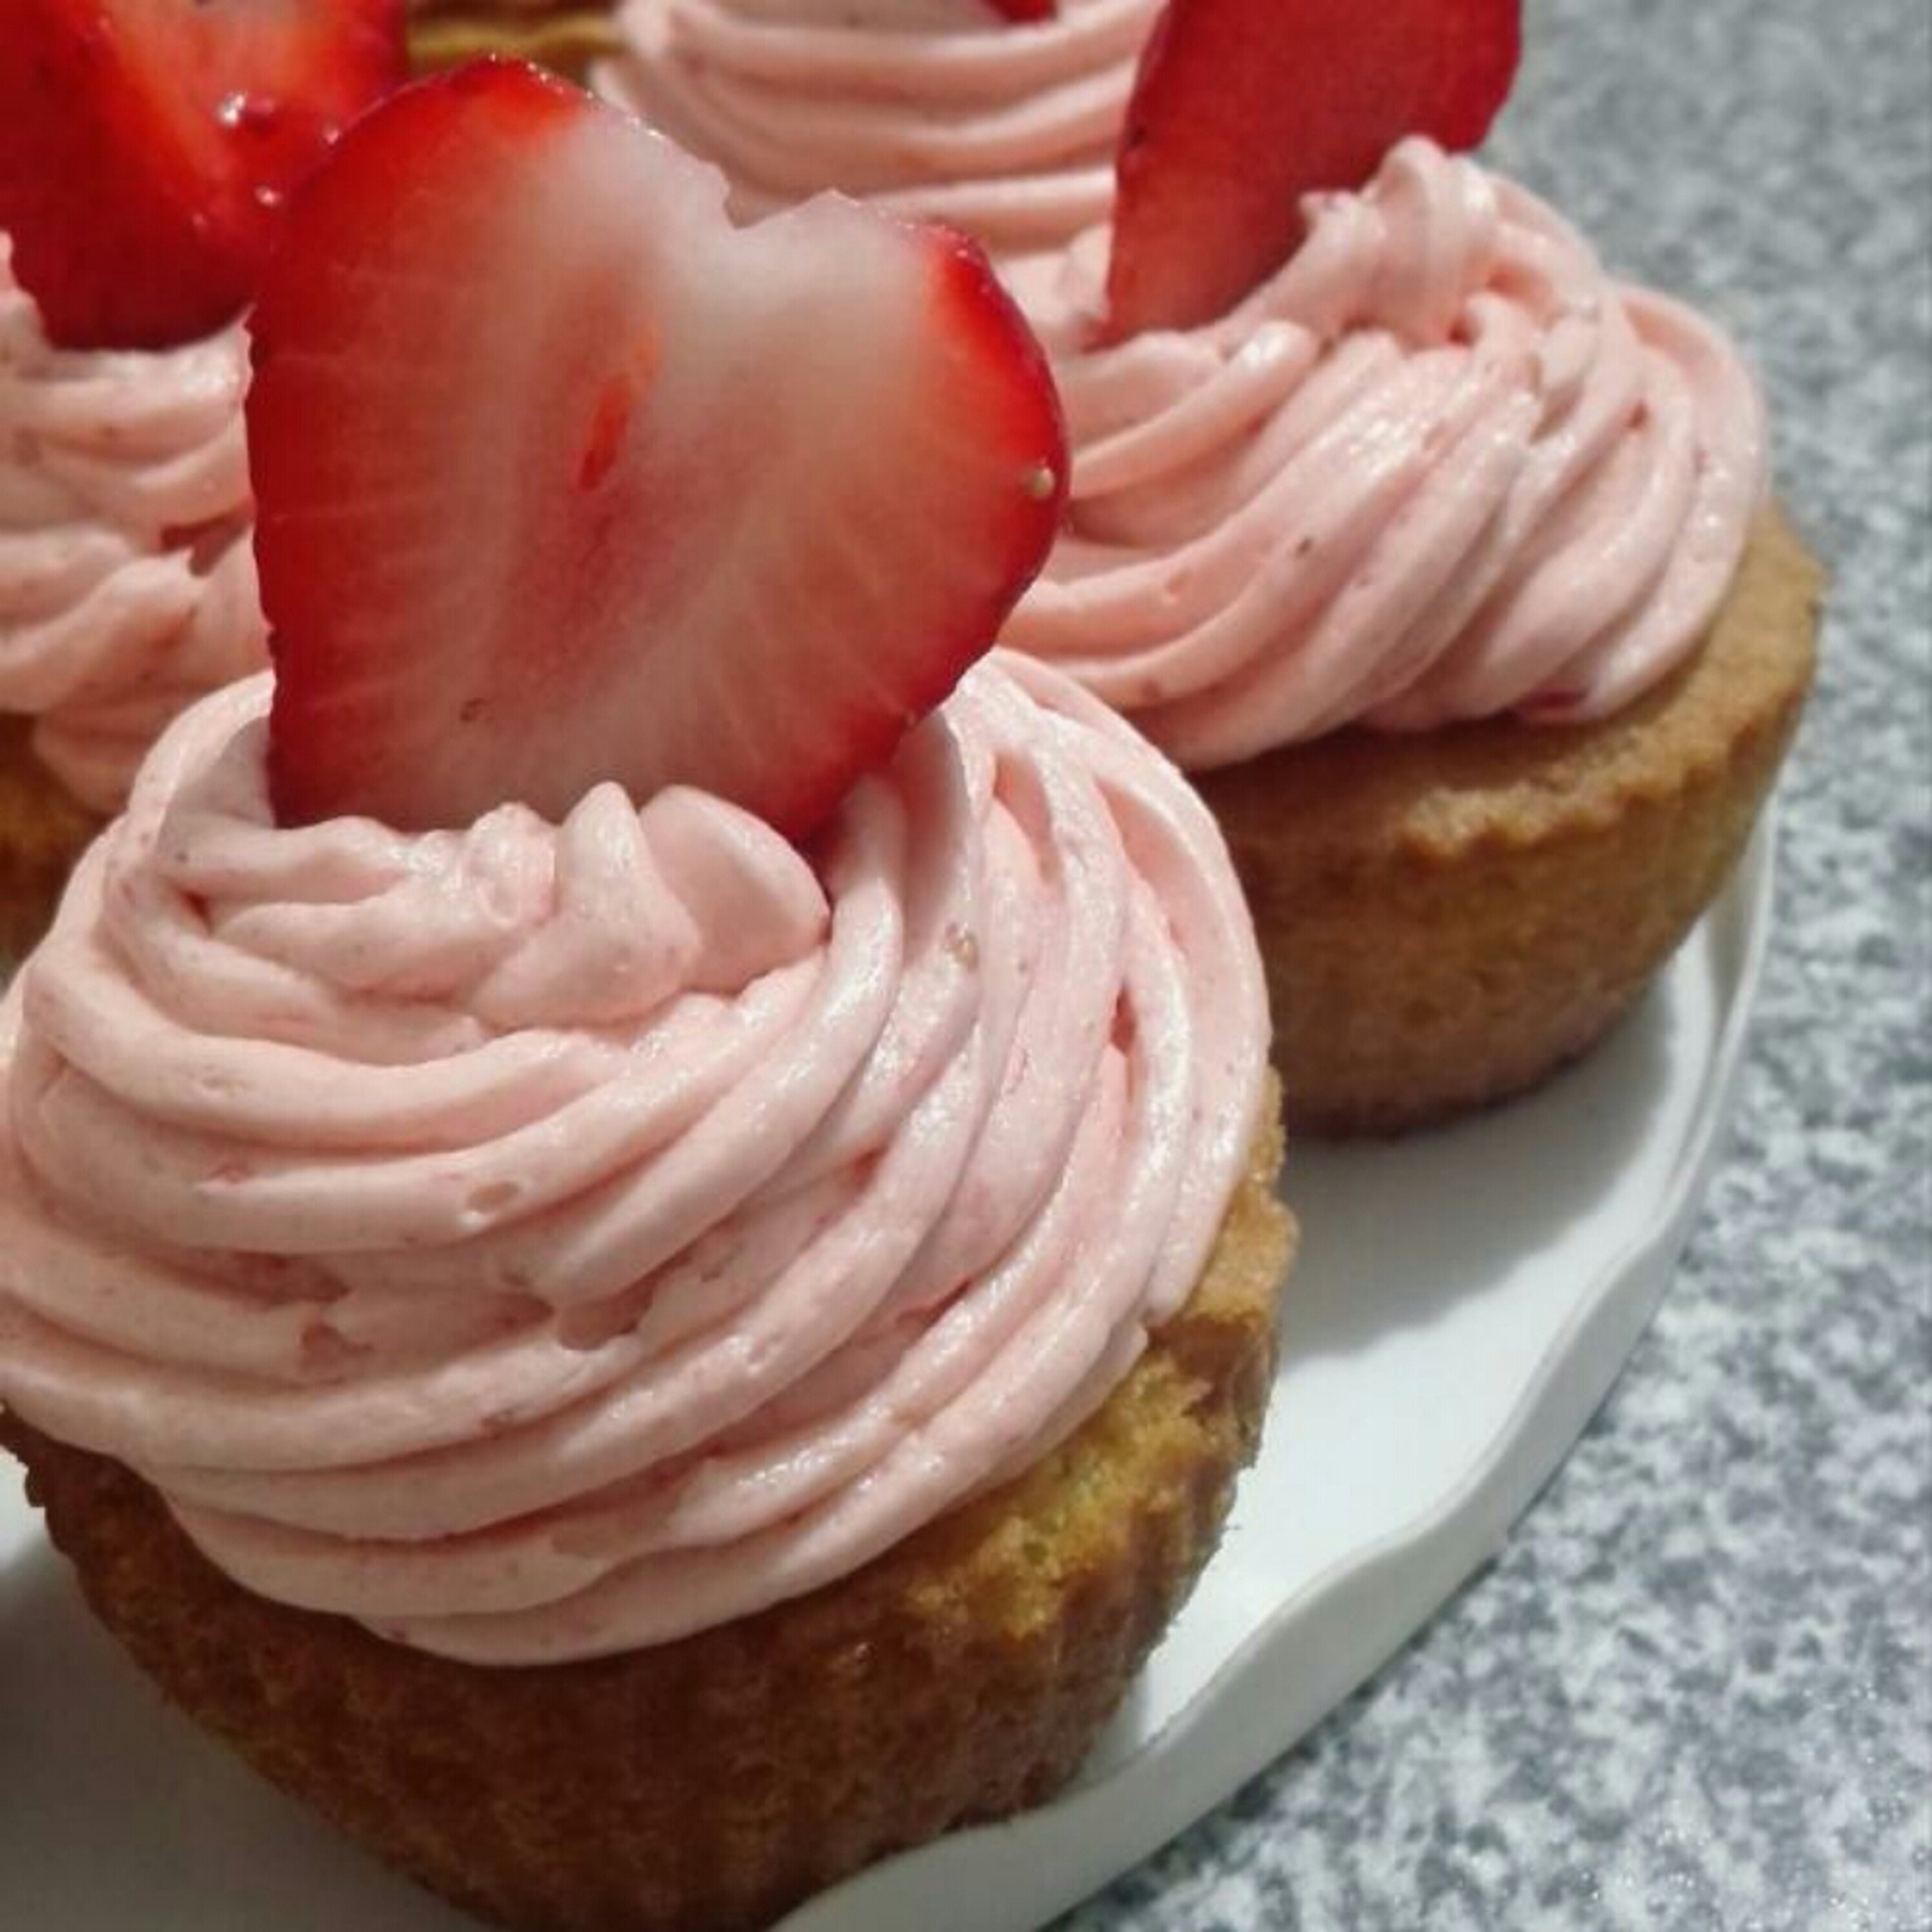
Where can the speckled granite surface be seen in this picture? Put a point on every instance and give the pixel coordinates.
(1696, 1690)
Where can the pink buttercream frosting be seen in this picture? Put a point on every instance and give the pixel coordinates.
(936, 109)
(542, 1240)
(127, 585)
(1439, 466)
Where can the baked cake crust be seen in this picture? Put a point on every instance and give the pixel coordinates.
(565, 38)
(1448, 917)
(42, 831)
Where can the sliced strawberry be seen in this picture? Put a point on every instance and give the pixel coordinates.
(147, 146)
(1024, 10)
(1242, 107)
(563, 477)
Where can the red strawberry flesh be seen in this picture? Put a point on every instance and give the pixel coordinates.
(147, 146)
(1242, 107)
(1024, 10)
(561, 478)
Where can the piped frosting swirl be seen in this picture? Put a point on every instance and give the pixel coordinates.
(1439, 466)
(938, 110)
(127, 582)
(542, 1240)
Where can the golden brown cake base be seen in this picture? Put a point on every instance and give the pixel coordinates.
(1448, 918)
(708, 1785)
(566, 39)
(42, 831)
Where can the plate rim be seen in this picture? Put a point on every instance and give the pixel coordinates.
(1065, 1835)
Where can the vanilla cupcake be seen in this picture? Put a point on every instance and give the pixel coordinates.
(127, 585)
(642, 1277)
(1445, 562)
(659, 1464)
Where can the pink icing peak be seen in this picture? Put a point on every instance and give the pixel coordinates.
(127, 583)
(1440, 466)
(538, 1241)
(937, 109)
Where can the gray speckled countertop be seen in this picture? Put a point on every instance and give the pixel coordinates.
(1696, 1689)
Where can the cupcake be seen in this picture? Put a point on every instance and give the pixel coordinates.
(126, 586)
(1443, 560)
(132, 222)
(636, 1242)
(1001, 120)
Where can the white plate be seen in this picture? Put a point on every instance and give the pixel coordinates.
(1463, 1302)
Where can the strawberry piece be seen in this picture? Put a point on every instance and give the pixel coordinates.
(1024, 10)
(561, 478)
(147, 148)
(1242, 107)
